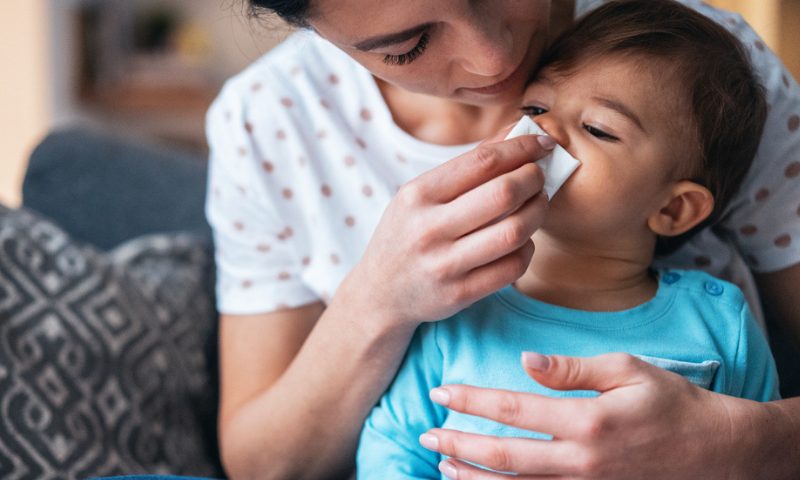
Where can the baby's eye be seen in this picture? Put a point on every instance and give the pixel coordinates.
(596, 132)
(533, 110)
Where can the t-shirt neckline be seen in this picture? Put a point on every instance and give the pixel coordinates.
(639, 315)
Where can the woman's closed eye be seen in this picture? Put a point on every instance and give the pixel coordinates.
(411, 55)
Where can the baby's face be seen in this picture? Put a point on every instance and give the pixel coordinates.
(629, 124)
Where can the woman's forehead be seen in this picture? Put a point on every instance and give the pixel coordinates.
(354, 21)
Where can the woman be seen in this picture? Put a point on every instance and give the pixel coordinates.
(327, 264)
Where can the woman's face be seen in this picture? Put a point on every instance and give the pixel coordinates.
(479, 52)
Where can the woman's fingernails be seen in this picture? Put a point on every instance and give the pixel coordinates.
(429, 441)
(546, 141)
(440, 396)
(446, 467)
(535, 361)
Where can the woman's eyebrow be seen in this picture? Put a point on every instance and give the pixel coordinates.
(391, 39)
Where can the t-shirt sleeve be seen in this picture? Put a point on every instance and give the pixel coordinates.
(764, 217)
(258, 269)
(389, 446)
(754, 374)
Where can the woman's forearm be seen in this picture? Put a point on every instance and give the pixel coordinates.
(306, 425)
(770, 440)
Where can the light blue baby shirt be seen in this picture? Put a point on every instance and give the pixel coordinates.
(696, 325)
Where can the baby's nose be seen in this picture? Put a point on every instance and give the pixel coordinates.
(552, 126)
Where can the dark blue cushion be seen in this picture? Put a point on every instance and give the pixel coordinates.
(104, 190)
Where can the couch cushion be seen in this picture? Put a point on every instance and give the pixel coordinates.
(103, 357)
(105, 190)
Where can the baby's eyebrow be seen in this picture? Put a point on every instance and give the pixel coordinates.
(622, 109)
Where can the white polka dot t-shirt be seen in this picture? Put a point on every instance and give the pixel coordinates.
(305, 156)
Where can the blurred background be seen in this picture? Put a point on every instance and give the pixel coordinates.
(149, 68)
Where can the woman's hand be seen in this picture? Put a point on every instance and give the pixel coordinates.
(646, 423)
(453, 235)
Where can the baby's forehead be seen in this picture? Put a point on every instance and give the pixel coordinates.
(651, 83)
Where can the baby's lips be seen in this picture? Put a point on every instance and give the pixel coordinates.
(557, 166)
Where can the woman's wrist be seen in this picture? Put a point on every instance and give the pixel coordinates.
(765, 439)
(357, 301)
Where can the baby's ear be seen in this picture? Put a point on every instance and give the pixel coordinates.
(688, 204)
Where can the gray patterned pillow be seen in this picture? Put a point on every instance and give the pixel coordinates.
(103, 357)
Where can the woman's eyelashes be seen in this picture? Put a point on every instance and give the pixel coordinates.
(411, 55)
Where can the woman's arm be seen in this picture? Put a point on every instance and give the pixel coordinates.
(647, 423)
(292, 407)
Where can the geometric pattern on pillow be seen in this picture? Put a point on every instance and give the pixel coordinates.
(103, 357)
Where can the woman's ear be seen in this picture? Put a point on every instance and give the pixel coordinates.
(688, 204)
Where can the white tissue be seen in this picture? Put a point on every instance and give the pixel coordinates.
(556, 166)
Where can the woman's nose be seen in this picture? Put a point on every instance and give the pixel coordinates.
(487, 50)
(552, 126)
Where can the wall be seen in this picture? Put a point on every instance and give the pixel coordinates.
(24, 89)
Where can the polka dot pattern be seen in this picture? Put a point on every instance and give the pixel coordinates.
(794, 123)
(363, 163)
(748, 230)
(793, 170)
(783, 241)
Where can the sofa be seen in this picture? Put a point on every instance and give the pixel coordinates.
(107, 320)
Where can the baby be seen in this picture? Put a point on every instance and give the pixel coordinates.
(662, 109)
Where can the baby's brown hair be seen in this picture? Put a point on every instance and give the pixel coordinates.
(727, 101)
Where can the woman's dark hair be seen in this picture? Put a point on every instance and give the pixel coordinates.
(727, 102)
(294, 12)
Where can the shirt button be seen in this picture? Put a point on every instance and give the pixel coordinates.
(670, 278)
(714, 288)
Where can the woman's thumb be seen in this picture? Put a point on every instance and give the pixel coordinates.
(601, 373)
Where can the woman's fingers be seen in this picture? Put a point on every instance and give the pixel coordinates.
(476, 167)
(563, 418)
(495, 275)
(455, 469)
(600, 373)
(493, 200)
(499, 239)
(503, 454)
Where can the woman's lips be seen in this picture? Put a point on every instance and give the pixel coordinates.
(500, 86)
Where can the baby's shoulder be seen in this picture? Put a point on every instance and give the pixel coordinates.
(698, 286)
